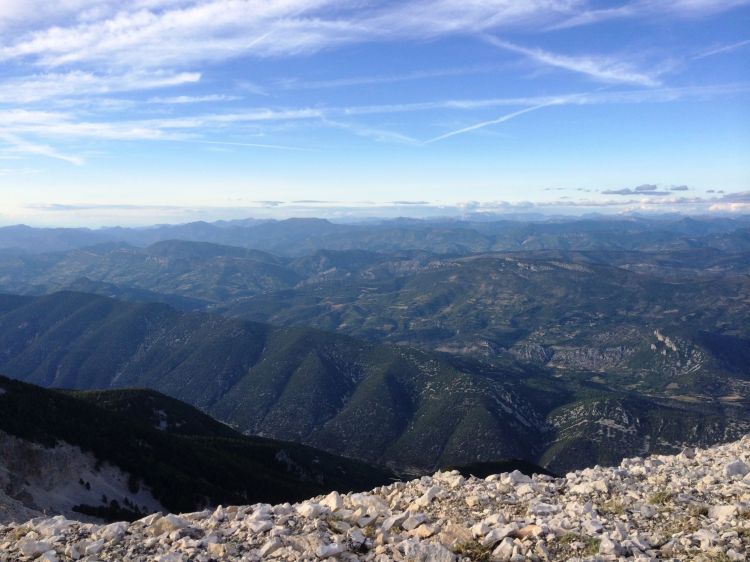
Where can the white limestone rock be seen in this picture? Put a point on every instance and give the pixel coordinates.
(647, 509)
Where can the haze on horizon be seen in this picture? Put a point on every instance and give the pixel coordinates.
(146, 111)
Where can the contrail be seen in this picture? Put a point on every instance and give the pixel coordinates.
(502, 119)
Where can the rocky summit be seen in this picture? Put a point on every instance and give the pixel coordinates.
(691, 506)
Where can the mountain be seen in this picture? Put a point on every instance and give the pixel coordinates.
(673, 324)
(395, 405)
(22, 238)
(188, 274)
(125, 453)
(380, 404)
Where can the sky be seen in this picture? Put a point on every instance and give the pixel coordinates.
(143, 111)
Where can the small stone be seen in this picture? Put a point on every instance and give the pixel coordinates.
(451, 535)
(258, 527)
(328, 550)
(504, 551)
(113, 533)
(496, 535)
(542, 551)
(357, 539)
(472, 500)
(608, 546)
(333, 501)
(427, 497)
(308, 509)
(33, 548)
(94, 548)
(736, 468)
(413, 522)
(394, 520)
(529, 531)
(216, 550)
(480, 529)
(169, 557)
(722, 512)
(421, 552)
(518, 477)
(167, 524)
(270, 547)
(424, 531)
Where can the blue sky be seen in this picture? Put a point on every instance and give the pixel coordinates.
(148, 111)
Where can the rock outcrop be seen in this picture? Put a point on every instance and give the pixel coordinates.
(35, 479)
(692, 506)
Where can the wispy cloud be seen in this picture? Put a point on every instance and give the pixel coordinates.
(246, 144)
(45, 86)
(182, 32)
(19, 145)
(210, 98)
(69, 126)
(636, 96)
(649, 9)
(610, 70)
(297, 84)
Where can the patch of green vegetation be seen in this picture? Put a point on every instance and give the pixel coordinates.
(568, 538)
(661, 497)
(613, 507)
(698, 510)
(591, 546)
(19, 532)
(474, 551)
(714, 557)
(110, 512)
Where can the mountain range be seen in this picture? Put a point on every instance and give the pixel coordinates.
(408, 344)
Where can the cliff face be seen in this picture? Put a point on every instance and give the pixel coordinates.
(691, 506)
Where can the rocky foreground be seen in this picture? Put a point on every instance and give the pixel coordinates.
(692, 506)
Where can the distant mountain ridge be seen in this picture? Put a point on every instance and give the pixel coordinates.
(294, 237)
